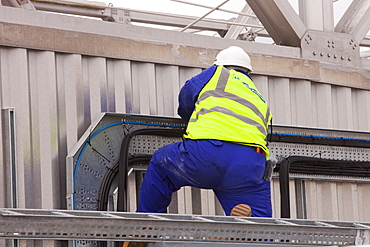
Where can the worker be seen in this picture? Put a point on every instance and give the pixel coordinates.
(224, 147)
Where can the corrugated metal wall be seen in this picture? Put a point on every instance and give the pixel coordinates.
(56, 95)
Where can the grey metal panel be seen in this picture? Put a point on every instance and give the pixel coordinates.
(322, 105)
(283, 93)
(44, 128)
(15, 93)
(301, 98)
(337, 200)
(119, 85)
(186, 73)
(167, 89)
(363, 204)
(342, 108)
(275, 197)
(348, 201)
(94, 88)
(143, 88)
(70, 117)
(280, 100)
(361, 109)
(183, 200)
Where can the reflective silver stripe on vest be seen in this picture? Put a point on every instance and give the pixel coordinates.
(222, 81)
(244, 102)
(220, 92)
(226, 111)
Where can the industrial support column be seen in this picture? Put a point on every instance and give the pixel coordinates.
(317, 14)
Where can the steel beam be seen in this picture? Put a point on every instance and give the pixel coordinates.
(356, 20)
(365, 54)
(317, 14)
(365, 42)
(280, 21)
(235, 30)
(12, 3)
(73, 10)
(139, 16)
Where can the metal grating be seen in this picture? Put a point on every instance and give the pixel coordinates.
(145, 144)
(320, 151)
(88, 225)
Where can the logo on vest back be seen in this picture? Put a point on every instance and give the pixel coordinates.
(252, 89)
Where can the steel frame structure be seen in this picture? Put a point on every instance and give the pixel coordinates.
(278, 18)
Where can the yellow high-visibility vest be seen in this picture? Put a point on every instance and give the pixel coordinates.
(230, 108)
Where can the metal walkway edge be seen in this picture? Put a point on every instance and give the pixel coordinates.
(120, 226)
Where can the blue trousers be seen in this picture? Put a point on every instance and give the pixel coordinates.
(233, 171)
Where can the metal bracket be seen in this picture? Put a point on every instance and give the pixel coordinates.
(118, 15)
(337, 48)
(9, 155)
(26, 4)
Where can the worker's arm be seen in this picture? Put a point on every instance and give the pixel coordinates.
(189, 92)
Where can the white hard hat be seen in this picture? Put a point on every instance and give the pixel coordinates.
(234, 55)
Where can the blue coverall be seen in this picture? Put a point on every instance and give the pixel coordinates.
(233, 171)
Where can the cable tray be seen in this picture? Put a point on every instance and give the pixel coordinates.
(120, 226)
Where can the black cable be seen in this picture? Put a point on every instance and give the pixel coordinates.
(317, 166)
(109, 177)
(122, 166)
(123, 160)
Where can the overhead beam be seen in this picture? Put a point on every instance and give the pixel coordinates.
(356, 20)
(365, 42)
(234, 30)
(123, 15)
(12, 3)
(280, 20)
